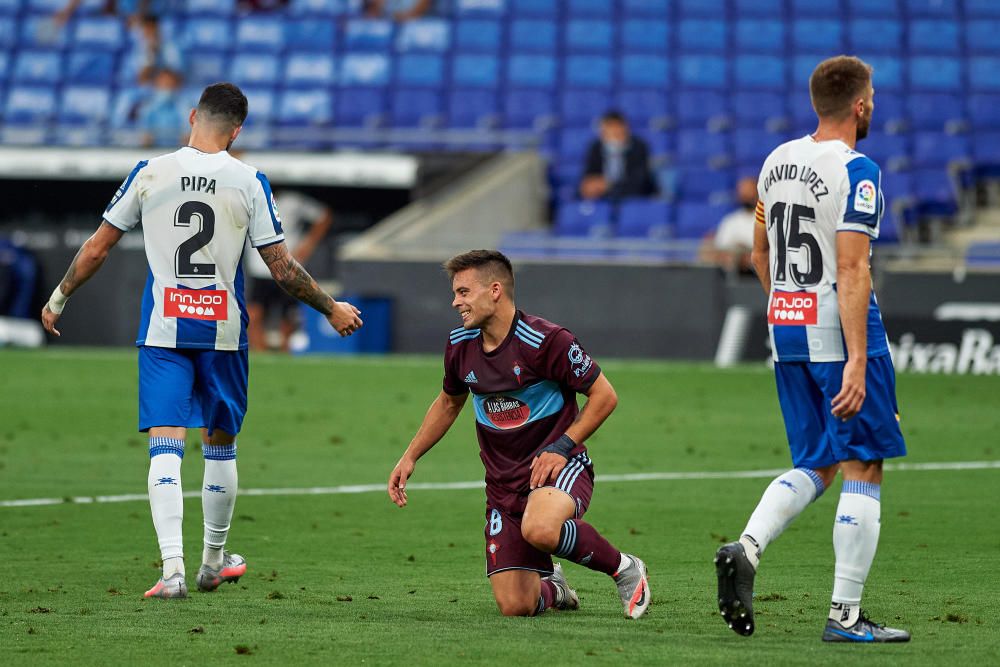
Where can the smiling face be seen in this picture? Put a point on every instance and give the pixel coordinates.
(476, 298)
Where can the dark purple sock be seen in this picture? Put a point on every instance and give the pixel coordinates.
(582, 544)
(547, 599)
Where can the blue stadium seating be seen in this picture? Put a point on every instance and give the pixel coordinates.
(581, 106)
(704, 185)
(644, 218)
(803, 117)
(702, 109)
(96, 67)
(531, 71)
(814, 8)
(29, 104)
(766, 35)
(587, 35)
(595, 71)
(207, 68)
(981, 36)
(478, 35)
(319, 8)
(525, 108)
(648, 108)
(986, 149)
(530, 35)
(420, 70)
(644, 71)
(935, 73)
(889, 151)
(424, 35)
(371, 34)
(890, 113)
(934, 36)
(306, 107)
(703, 72)
(8, 33)
(534, 7)
(751, 147)
(360, 107)
(38, 67)
(984, 110)
(702, 35)
(210, 7)
(760, 72)
(98, 32)
(595, 8)
(262, 33)
(821, 35)
(472, 107)
(875, 35)
(931, 8)
(573, 143)
(309, 34)
(10, 7)
(39, 32)
(766, 8)
(881, 9)
(935, 111)
(413, 107)
(646, 8)
(263, 103)
(758, 109)
(887, 74)
(213, 34)
(694, 220)
(984, 74)
(584, 218)
(475, 70)
(982, 8)
(936, 192)
(701, 148)
(84, 104)
(937, 149)
(645, 36)
(712, 8)
(364, 69)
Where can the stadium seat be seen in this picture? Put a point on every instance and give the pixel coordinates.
(702, 109)
(936, 111)
(312, 69)
(822, 35)
(370, 34)
(89, 67)
(98, 32)
(38, 67)
(695, 220)
(124, 108)
(262, 103)
(424, 35)
(8, 33)
(644, 218)
(212, 34)
(649, 108)
(710, 8)
(205, 69)
(531, 70)
(307, 107)
(934, 73)
(984, 74)
(528, 108)
(759, 109)
(319, 8)
(364, 69)
(420, 70)
(416, 107)
(549, 8)
(210, 7)
(933, 36)
(4, 68)
(646, 8)
(533, 35)
(584, 218)
(596, 8)
(986, 149)
(760, 72)
(937, 149)
(881, 9)
(360, 107)
(644, 71)
(582, 106)
(767, 8)
(262, 33)
(889, 151)
(84, 105)
(751, 147)
(982, 9)
(29, 104)
(934, 192)
(255, 69)
(760, 35)
(803, 117)
(701, 148)
(588, 36)
(702, 72)
(702, 35)
(814, 8)
(480, 35)
(802, 68)
(873, 35)
(704, 185)
(981, 36)
(9, 7)
(475, 70)
(644, 36)
(888, 233)
(310, 35)
(887, 74)
(931, 8)
(984, 111)
(39, 32)
(574, 142)
(594, 71)
(472, 107)
(890, 112)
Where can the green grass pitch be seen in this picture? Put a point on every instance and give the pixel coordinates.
(351, 579)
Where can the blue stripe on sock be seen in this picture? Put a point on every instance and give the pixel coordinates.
(567, 539)
(816, 479)
(862, 489)
(219, 452)
(160, 445)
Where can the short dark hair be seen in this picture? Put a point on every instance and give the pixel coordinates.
(225, 104)
(493, 264)
(836, 84)
(614, 116)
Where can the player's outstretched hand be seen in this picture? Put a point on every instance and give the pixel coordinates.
(397, 481)
(545, 468)
(49, 321)
(344, 318)
(848, 402)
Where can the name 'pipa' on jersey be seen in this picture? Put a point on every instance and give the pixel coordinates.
(197, 210)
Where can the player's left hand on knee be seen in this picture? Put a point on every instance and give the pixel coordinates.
(546, 467)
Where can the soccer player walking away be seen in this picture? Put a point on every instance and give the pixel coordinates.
(197, 207)
(524, 374)
(820, 207)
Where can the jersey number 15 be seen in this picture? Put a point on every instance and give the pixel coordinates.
(790, 236)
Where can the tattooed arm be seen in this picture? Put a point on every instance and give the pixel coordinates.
(88, 260)
(295, 280)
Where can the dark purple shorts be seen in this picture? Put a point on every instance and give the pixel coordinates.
(506, 548)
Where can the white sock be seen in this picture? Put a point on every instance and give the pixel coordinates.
(166, 501)
(855, 538)
(218, 498)
(783, 500)
(845, 614)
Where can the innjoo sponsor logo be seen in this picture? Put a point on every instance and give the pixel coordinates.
(195, 304)
(794, 308)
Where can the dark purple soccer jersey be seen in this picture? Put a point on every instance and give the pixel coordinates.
(524, 395)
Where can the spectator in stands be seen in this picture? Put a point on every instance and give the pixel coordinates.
(399, 10)
(305, 222)
(617, 163)
(730, 244)
(162, 114)
(156, 53)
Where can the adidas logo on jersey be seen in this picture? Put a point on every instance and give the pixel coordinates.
(471, 378)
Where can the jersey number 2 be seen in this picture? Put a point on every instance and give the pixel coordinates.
(187, 213)
(795, 238)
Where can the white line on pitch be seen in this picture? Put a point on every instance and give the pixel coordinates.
(452, 486)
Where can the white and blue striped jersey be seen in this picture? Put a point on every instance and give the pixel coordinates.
(809, 192)
(197, 210)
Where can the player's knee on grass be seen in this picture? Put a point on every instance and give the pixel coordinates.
(541, 534)
(517, 603)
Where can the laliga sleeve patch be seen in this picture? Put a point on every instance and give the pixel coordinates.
(865, 197)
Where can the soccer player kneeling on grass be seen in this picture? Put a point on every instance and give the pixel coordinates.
(524, 374)
(820, 206)
(197, 207)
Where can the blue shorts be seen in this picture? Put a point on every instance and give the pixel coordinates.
(817, 438)
(192, 388)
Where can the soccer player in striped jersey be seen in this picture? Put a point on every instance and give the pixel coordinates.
(819, 209)
(524, 374)
(197, 207)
